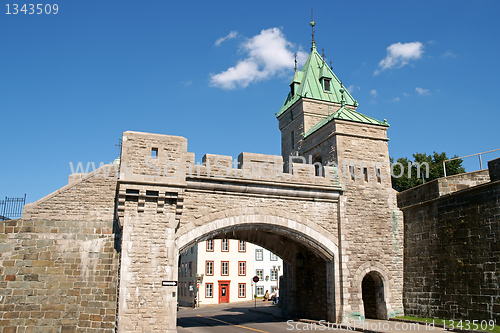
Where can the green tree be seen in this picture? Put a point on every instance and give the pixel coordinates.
(407, 173)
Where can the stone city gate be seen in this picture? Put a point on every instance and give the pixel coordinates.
(92, 256)
(289, 214)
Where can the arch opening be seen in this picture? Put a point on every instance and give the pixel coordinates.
(308, 279)
(373, 296)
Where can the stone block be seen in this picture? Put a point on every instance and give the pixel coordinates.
(68, 329)
(10, 329)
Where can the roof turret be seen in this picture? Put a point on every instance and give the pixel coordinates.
(310, 85)
(317, 81)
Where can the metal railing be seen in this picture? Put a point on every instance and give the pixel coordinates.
(12, 208)
(478, 154)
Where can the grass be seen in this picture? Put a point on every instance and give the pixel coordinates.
(456, 323)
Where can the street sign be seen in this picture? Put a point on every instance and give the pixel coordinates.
(169, 283)
(255, 279)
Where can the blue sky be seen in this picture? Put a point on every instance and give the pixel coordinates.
(73, 82)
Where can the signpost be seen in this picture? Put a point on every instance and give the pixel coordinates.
(255, 280)
(169, 283)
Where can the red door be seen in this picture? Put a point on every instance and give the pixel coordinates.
(224, 291)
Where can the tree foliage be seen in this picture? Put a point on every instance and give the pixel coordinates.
(402, 180)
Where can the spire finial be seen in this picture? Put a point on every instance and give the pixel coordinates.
(312, 24)
(342, 102)
(323, 55)
(331, 67)
(295, 55)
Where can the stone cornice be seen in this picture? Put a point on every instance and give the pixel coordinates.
(268, 188)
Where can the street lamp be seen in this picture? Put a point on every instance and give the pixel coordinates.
(199, 280)
(276, 269)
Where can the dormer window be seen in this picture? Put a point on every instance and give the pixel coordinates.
(326, 84)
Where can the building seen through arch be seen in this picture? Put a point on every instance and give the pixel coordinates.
(222, 270)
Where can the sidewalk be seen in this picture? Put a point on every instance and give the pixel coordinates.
(271, 309)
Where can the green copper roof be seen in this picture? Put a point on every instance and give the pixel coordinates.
(346, 114)
(310, 85)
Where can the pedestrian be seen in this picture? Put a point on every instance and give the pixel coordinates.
(266, 296)
(277, 294)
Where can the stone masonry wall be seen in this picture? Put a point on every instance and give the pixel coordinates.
(371, 223)
(452, 253)
(494, 169)
(59, 264)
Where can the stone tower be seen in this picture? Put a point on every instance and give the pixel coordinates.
(320, 125)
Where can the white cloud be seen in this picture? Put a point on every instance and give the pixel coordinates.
(396, 99)
(269, 54)
(406, 94)
(231, 35)
(352, 88)
(431, 42)
(373, 93)
(187, 83)
(422, 91)
(399, 55)
(449, 54)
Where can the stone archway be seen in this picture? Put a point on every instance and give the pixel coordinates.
(372, 281)
(374, 303)
(290, 240)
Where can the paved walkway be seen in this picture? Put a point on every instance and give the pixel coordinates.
(270, 308)
(369, 325)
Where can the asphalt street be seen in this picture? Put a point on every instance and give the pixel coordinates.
(235, 318)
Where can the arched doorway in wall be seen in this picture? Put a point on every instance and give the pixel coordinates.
(307, 289)
(373, 296)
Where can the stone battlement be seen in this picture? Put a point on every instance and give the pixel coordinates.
(442, 186)
(164, 159)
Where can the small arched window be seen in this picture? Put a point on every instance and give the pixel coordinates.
(318, 165)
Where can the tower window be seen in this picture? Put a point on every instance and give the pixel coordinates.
(326, 83)
(292, 140)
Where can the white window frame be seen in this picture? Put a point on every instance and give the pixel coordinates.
(242, 265)
(224, 245)
(209, 290)
(207, 264)
(274, 275)
(261, 275)
(244, 289)
(261, 256)
(224, 268)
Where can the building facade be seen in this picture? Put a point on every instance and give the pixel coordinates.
(216, 271)
(268, 267)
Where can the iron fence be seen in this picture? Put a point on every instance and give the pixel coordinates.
(12, 208)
